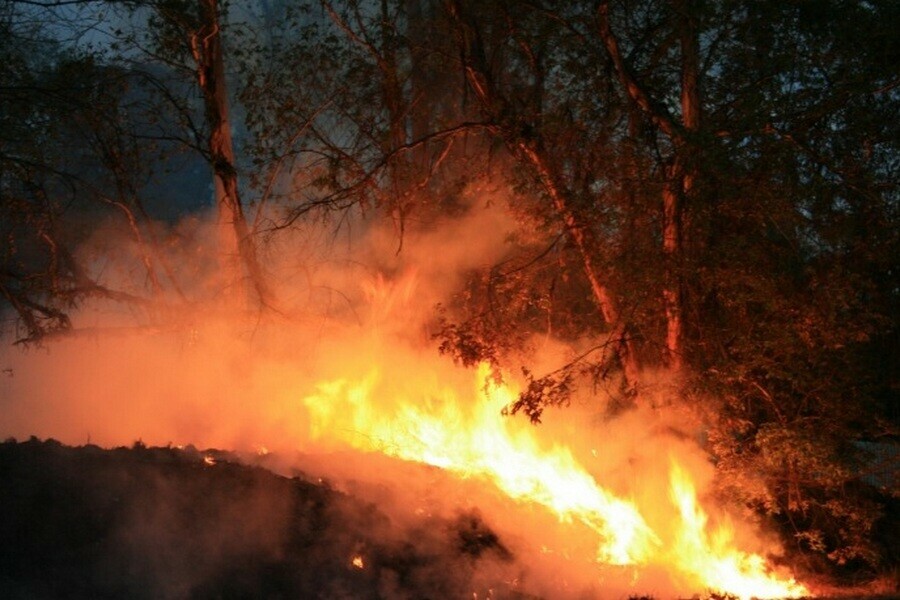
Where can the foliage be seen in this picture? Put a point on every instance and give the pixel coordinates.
(67, 158)
(789, 291)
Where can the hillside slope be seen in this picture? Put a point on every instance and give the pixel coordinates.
(165, 523)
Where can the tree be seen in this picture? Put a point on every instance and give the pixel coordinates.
(199, 28)
(765, 285)
(523, 137)
(67, 155)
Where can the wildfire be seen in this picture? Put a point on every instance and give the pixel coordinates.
(474, 442)
(712, 559)
(477, 443)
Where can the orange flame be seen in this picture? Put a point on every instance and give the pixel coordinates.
(479, 444)
(475, 442)
(712, 560)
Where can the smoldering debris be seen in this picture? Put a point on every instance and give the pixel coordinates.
(163, 522)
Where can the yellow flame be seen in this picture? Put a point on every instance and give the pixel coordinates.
(712, 559)
(357, 562)
(478, 443)
(472, 440)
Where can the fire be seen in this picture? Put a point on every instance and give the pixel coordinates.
(357, 562)
(472, 440)
(477, 443)
(712, 560)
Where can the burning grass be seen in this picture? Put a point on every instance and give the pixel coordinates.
(584, 506)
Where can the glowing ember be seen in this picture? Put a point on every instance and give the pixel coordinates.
(473, 441)
(357, 562)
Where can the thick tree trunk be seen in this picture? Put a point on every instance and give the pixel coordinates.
(237, 248)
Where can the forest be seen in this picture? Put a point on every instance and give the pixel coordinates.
(702, 199)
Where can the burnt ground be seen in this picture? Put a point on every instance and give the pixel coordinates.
(162, 523)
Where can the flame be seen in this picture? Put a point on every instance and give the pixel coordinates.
(473, 441)
(357, 562)
(712, 559)
(357, 361)
(477, 443)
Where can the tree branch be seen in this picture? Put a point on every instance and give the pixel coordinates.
(657, 114)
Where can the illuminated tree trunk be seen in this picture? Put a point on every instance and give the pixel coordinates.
(237, 249)
(581, 236)
(680, 182)
(527, 148)
(680, 173)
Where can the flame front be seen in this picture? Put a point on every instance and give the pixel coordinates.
(473, 441)
(712, 559)
(479, 444)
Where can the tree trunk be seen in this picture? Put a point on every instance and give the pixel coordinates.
(421, 87)
(394, 100)
(237, 248)
(680, 174)
(581, 237)
(392, 89)
(383, 48)
(529, 151)
(680, 181)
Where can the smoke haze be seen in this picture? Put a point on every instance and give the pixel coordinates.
(356, 308)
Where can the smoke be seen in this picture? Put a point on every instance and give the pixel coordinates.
(209, 372)
(355, 304)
